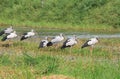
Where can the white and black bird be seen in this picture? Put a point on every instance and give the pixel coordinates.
(27, 35)
(9, 36)
(7, 31)
(43, 43)
(91, 42)
(69, 42)
(56, 39)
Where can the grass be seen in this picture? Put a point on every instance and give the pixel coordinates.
(24, 60)
(59, 27)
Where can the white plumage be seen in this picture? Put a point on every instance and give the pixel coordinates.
(70, 42)
(43, 43)
(10, 36)
(56, 39)
(27, 35)
(90, 42)
(7, 30)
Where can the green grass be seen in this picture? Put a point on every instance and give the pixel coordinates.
(77, 14)
(24, 60)
(58, 27)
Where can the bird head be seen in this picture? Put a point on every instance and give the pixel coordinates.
(14, 31)
(96, 37)
(61, 34)
(32, 30)
(74, 36)
(46, 38)
(11, 27)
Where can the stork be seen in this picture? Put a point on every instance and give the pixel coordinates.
(56, 39)
(7, 31)
(69, 42)
(43, 43)
(27, 35)
(9, 36)
(91, 42)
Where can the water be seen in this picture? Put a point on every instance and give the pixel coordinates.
(41, 33)
(79, 35)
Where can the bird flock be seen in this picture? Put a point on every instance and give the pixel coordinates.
(10, 33)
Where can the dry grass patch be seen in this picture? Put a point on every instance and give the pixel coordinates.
(56, 77)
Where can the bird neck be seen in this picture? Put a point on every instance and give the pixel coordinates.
(46, 38)
(32, 30)
(14, 32)
(61, 35)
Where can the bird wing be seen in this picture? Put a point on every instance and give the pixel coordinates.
(30, 34)
(8, 30)
(92, 41)
(71, 42)
(56, 39)
(25, 33)
(66, 42)
(86, 44)
(43, 43)
(11, 35)
(2, 32)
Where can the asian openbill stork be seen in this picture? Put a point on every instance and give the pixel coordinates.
(90, 43)
(7, 31)
(9, 36)
(27, 35)
(43, 43)
(69, 42)
(56, 39)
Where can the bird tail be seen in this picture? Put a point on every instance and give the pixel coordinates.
(40, 47)
(22, 38)
(63, 47)
(1, 33)
(4, 38)
(85, 45)
(82, 46)
(49, 44)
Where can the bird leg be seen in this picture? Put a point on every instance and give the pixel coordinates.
(91, 50)
(70, 49)
(56, 45)
(9, 42)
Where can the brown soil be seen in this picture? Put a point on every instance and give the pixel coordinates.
(56, 77)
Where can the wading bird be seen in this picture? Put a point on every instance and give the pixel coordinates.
(27, 35)
(7, 31)
(91, 42)
(56, 39)
(43, 43)
(69, 42)
(9, 36)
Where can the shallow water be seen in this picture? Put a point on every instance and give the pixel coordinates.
(42, 32)
(79, 35)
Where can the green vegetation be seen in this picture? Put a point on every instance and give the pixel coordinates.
(23, 60)
(56, 13)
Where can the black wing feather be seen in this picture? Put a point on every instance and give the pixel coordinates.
(85, 44)
(64, 44)
(23, 37)
(49, 44)
(41, 44)
(4, 38)
(2, 32)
